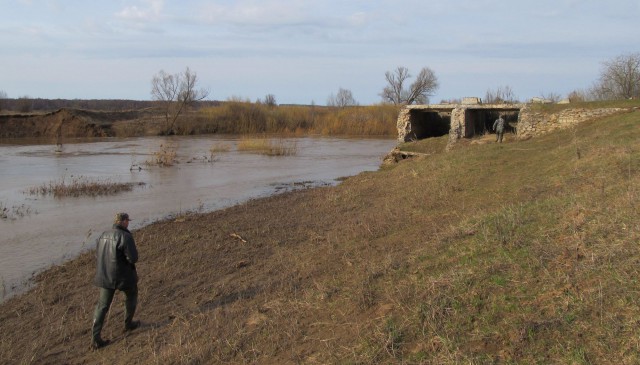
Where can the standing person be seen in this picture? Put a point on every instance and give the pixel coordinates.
(498, 127)
(116, 255)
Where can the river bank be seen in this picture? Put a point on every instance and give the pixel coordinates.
(198, 180)
(521, 252)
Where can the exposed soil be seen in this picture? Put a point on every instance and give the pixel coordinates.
(72, 123)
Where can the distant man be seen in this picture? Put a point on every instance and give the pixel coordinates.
(498, 127)
(116, 255)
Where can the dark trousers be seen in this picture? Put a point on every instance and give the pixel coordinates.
(104, 302)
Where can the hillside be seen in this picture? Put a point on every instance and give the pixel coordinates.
(71, 123)
(520, 253)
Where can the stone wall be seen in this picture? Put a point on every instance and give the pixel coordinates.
(404, 124)
(531, 121)
(457, 130)
(536, 123)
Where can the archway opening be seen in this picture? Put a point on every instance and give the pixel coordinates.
(429, 123)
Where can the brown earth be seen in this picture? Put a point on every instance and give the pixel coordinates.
(207, 294)
(75, 123)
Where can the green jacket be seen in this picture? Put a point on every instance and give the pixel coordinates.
(498, 125)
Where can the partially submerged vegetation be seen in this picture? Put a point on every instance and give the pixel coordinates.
(15, 211)
(165, 155)
(76, 186)
(515, 253)
(268, 146)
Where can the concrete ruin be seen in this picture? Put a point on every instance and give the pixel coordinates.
(464, 120)
(472, 118)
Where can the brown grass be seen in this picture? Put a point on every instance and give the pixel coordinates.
(75, 186)
(165, 156)
(269, 147)
(15, 211)
(513, 253)
(237, 117)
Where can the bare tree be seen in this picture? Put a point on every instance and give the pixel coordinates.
(619, 78)
(577, 96)
(3, 97)
(270, 100)
(419, 91)
(552, 97)
(176, 93)
(503, 94)
(25, 104)
(343, 99)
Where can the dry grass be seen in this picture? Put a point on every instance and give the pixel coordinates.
(269, 147)
(518, 253)
(165, 156)
(15, 211)
(239, 117)
(219, 147)
(76, 186)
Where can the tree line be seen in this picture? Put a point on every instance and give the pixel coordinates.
(175, 94)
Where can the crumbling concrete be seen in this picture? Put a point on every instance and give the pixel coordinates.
(470, 119)
(535, 123)
(461, 120)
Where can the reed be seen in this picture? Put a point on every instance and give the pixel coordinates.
(165, 156)
(15, 211)
(77, 186)
(268, 147)
(242, 117)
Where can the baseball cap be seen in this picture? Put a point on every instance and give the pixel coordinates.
(122, 217)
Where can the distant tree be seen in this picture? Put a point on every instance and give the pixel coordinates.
(176, 93)
(552, 97)
(577, 96)
(25, 104)
(3, 97)
(418, 92)
(503, 94)
(343, 99)
(270, 100)
(619, 78)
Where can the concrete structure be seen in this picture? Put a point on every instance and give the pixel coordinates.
(473, 118)
(458, 120)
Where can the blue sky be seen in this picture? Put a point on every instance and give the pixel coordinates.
(303, 51)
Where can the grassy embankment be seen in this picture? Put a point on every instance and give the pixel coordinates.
(519, 253)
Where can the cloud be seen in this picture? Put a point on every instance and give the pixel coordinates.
(150, 10)
(249, 12)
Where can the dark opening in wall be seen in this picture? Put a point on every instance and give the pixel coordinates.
(429, 123)
(480, 122)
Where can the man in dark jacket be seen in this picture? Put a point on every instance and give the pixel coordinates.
(116, 255)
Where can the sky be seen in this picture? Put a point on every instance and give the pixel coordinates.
(304, 51)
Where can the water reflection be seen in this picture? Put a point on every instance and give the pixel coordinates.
(49, 230)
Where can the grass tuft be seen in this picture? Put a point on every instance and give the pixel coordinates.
(268, 147)
(77, 186)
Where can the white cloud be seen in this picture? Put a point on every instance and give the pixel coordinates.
(250, 12)
(150, 10)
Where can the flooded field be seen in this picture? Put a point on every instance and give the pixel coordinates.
(37, 231)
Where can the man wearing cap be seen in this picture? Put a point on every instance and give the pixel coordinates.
(116, 255)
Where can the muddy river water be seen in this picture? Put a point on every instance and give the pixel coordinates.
(39, 231)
